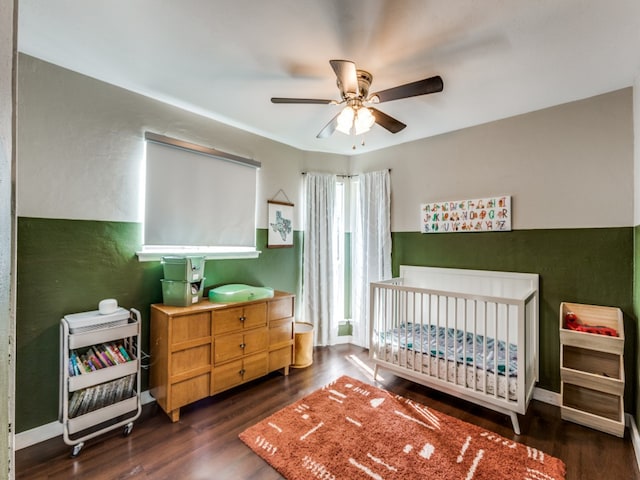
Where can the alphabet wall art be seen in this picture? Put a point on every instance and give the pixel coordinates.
(491, 214)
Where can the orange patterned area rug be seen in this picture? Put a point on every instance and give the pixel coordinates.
(352, 430)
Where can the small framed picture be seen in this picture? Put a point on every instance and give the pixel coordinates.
(280, 224)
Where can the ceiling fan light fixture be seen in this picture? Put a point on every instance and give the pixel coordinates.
(356, 120)
(345, 120)
(363, 120)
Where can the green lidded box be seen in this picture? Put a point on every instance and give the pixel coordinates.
(181, 294)
(238, 292)
(183, 268)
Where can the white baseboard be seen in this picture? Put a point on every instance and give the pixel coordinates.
(635, 436)
(343, 339)
(39, 434)
(54, 429)
(546, 396)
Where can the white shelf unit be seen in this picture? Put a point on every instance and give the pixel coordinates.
(592, 369)
(112, 393)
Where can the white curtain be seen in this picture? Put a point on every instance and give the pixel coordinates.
(318, 255)
(371, 245)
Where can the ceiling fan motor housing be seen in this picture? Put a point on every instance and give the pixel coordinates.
(364, 82)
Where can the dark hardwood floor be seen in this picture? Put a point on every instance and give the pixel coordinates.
(204, 444)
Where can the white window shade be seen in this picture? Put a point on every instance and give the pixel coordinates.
(198, 199)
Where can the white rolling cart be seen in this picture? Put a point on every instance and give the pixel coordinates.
(99, 373)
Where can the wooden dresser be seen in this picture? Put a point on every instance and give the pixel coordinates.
(206, 348)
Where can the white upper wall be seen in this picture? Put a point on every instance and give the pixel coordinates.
(80, 156)
(81, 148)
(570, 166)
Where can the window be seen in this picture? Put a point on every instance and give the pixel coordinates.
(197, 200)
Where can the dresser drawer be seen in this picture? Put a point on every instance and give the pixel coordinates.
(280, 308)
(186, 328)
(255, 366)
(281, 358)
(227, 376)
(280, 331)
(190, 359)
(235, 345)
(255, 315)
(190, 390)
(239, 371)
(239, 318)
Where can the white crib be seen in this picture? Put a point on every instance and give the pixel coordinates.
(469, 333)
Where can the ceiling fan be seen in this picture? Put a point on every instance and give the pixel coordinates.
(357, 117)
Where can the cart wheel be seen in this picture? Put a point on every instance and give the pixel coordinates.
(75, 451)
(127, 429)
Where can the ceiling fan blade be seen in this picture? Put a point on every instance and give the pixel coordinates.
(347, 76)
(301, 100)
(413, 89)
(329, 128)
(384, 120)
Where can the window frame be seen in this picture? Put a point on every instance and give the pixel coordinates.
(156, 252)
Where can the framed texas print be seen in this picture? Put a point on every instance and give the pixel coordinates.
(280, 224)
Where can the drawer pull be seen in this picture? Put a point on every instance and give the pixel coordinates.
(243, 345)
(242, 319)
(242, 372)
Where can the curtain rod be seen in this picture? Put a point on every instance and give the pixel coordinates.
(194, 148)
(345, 176)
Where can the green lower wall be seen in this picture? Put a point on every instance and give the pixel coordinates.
(593, 266)
(67, 266)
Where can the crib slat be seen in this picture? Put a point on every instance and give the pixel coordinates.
(444, 349)
(484, 346)
(412, 351)
(475, 344)
(465, 329)
(423, 332)
(507, 352)
(405, 297)
(429, 335)
(495, 350)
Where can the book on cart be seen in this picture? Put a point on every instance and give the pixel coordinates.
(98, 357)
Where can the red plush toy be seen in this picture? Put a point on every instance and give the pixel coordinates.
(572, 323)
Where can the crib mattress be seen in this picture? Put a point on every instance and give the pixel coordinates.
(455, 345)
(466, 376)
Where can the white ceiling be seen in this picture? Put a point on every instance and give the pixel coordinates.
(226, 58)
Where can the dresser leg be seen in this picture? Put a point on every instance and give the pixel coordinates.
(286, 370)
(174, 415)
